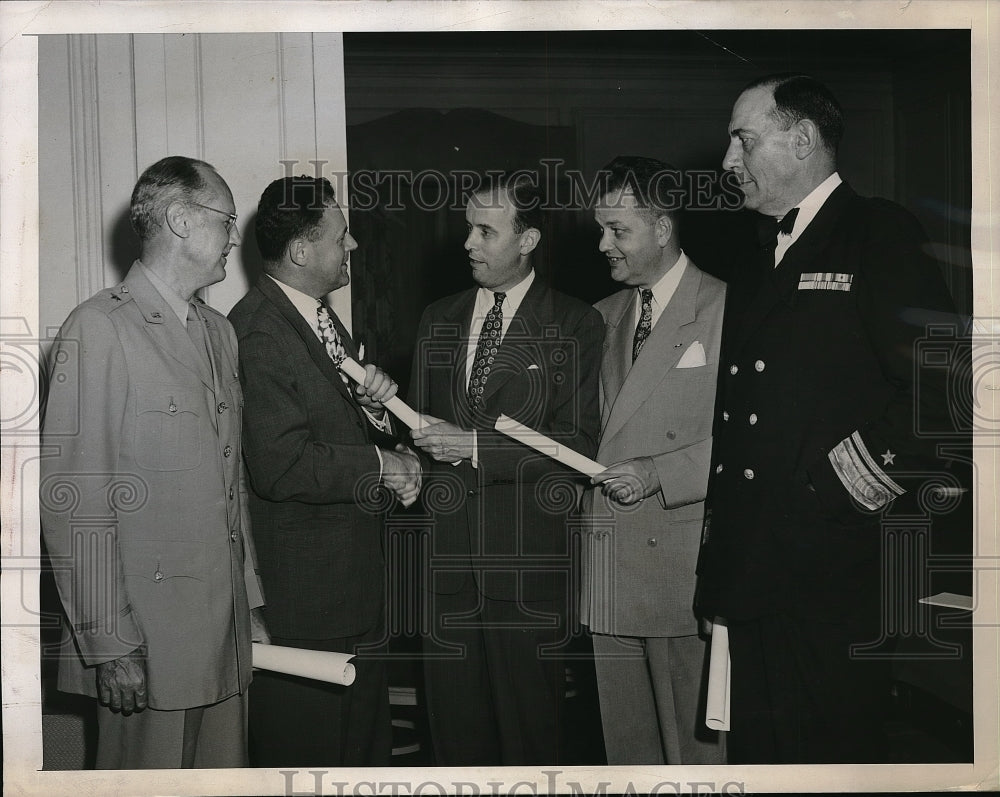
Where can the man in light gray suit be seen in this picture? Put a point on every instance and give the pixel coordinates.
(658, 377)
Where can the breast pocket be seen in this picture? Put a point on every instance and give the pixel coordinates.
(168, 427)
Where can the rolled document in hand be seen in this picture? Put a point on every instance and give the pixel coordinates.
(320, 665)
(395, 405)
(717, 704)
(546, 445)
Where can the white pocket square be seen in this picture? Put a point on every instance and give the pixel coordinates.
(532, 367)
(693, 357)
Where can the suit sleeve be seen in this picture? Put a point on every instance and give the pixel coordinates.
(284, 459)
(251, 574)
(573, 409)
(81, 433)
(900, 292)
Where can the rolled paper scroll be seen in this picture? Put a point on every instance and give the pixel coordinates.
(546, 445)
(395, 405)
(950, 600)
(320, 665)
(719, 666)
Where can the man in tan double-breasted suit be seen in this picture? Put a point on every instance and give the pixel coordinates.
(143, 508)
(658, 376)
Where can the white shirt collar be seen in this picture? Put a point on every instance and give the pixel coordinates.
(809, 207)
(663, 289)
(173, 299)
(485, 300)
(303, 302)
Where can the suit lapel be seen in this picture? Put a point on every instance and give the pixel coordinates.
(164, 328)
(663, 348)
(315, 348)
(454, 330)
(617, 357)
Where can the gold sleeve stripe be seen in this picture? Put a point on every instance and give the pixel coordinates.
(867, 483)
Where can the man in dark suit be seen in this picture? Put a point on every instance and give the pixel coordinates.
(658, 379)
(815, 439)
(500, 566)
(316, 450)
(143, 504)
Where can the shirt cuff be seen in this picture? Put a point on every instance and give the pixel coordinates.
(381, 464)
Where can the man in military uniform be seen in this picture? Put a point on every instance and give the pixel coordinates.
(815, 437)
(143, 506)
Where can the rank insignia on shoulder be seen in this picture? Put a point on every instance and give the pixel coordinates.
(825, 281)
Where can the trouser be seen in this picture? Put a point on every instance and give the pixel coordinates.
(300, 722)
(799, 696)
(206, 737)
(652, 695)
(495, 681)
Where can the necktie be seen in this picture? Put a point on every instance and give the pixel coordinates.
(486, 350)
(768, 229)
(331, 338)
(196, 331)
(645, 325)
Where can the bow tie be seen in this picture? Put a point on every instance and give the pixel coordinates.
(769, 227)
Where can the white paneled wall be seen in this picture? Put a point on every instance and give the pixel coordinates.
(111, 104)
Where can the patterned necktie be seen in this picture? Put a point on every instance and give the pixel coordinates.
(486, 350)
(331, 338)
(645, 325)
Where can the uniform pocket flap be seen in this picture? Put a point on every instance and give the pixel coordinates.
(167, 426)
(169, 399)
(160, 560)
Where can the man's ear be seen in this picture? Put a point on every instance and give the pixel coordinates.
(664, 230)
(178, 219)
(806, 138)
(298, 251)
(529, 240)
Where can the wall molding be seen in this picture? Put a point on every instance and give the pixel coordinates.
(88, 215)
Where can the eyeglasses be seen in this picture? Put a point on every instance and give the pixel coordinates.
(230, 220)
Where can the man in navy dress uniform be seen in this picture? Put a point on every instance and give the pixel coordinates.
(816, 435)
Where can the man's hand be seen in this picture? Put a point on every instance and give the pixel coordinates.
(377, 387)
(443, 441)
(401, 473)
(121, 683)
(630, 481)
(258, 628)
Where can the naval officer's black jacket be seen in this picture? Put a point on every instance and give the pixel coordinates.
(826, 398)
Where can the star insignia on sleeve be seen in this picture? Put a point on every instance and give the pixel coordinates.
(888, 458)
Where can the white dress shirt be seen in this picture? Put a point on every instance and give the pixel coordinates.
(808, 208)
